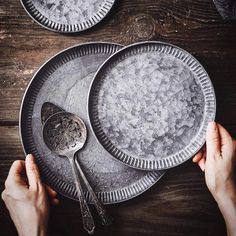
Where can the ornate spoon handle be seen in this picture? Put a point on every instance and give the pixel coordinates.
(87, 217)
(99, 207)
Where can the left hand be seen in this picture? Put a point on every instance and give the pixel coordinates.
(26, 198)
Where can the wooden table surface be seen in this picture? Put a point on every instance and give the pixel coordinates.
(180, 203)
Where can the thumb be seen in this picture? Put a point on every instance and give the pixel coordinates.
(212, 140)
(227, 142)
(226, 138)
(32, 172)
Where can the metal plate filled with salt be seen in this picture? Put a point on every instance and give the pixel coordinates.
(149, 105)
(67, 16)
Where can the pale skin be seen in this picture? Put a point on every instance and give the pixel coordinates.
(218, 160)
(27, 199)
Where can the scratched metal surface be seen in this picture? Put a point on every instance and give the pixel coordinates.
(64, 81)
(67, 16)
(150, 104)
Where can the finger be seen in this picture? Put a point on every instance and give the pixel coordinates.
(32, 172)
(55, 201)
(3, 195)
(17, 168)
(198, 156)
(202, 163)
(227, 142)
(50, 191)
(225, 137)
(212, 140)
(15, 173)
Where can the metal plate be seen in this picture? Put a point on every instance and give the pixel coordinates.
(149, 105)
(67, 16)
(64, 80)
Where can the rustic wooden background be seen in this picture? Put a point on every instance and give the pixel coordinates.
(180, 203)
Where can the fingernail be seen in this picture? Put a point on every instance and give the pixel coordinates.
(211, 126)
(30, 157)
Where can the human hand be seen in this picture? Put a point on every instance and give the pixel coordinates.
(26, 198)
(217, 160)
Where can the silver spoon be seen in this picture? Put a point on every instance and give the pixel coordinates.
(65, 133)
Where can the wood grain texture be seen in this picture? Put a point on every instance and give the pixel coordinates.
(194, 25)
(180, 203)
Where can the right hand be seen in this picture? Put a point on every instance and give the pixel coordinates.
(218, 160)
(218, 163)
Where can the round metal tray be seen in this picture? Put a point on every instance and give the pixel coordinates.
(67, 16)
(64, 80)
(149, 105)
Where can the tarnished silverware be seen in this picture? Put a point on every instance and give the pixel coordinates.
(65, 133)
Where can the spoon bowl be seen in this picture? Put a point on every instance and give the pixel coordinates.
(64, 134)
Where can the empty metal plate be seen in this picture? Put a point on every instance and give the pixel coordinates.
(67, 16)
(64, 80)
(149, 105)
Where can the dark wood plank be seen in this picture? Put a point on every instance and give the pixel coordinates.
(179, 204)
(194, 25)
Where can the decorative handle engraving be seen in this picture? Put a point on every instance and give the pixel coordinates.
(106, 220)
(87, 217)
